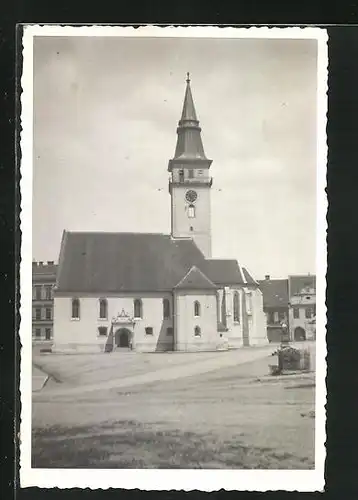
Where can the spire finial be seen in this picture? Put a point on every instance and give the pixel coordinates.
(188, 77)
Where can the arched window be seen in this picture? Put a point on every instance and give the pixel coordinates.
(236, 307)
(196, 308)
(75, 309)
(191, 211)
(103, 309)
(138, 308)
(197, 331)
(166, 309)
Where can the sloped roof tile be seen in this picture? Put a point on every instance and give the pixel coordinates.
(274, 292)
(100, 262)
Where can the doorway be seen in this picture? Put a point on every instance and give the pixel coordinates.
(299, 333)
(122, 338)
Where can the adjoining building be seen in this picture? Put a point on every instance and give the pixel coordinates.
(291, 302)
(276, 306)
(158, 292)
(302, 311)
(43, 281)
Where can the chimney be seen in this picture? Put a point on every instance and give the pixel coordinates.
(267, 277)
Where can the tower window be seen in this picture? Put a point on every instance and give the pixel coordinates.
(191, 211)
(103, 309)
(138, 309)
(166, 309)
(236, 307)
(191, 228)
(181, 175)
(197, 331)
(75, 309)
(191, 173)
(196, 309)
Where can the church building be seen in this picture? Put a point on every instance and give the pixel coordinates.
(158, 292)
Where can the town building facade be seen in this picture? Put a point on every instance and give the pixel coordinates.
(276, 306)
(290, 305)
(158, 292)
(43, 282)
(302, 311)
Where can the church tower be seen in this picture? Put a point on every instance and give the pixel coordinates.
(190, 182)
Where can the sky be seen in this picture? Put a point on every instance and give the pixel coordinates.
(105, 118)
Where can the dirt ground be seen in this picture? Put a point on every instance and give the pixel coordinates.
(219, 415)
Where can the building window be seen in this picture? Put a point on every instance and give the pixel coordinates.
(138, 308)
(196, 309)
(236, 307)
(102, 331)
(191, 211)
(38, 333)
(48, 333)
(191, 173)
(149, 330)
(181, 175)
(48, 313)
(249, 303)
(48, 292)
(103, 309)
(275, 317)
(296, 312)
(314, 310)
(166, 309)
(170, 330)
(281, 316)
(75, 309)
(197, 331)
(270, 318)
(37, 292)
(308, 313)
(200, 172)
(37, 313)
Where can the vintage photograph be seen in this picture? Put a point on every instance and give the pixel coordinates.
(173, 255)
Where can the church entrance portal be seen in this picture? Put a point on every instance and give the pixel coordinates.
(122, 338)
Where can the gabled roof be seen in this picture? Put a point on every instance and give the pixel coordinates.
(298, 285)
(195, 280)
(99, 262)
(128, 262)
(274, 292)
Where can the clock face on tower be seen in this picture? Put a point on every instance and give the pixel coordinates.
(191, 196)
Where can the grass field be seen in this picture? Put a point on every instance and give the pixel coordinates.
(192, 412)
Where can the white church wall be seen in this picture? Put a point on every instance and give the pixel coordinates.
(186, 321)
(83, 334)
(257, 319)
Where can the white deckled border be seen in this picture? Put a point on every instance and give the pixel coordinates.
(147, 479)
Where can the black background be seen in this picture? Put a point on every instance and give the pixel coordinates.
(342, 190)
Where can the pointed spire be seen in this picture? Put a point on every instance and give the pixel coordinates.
(189, 144)
(188, 106)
